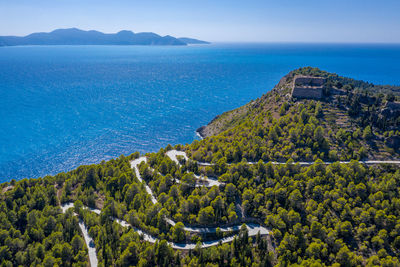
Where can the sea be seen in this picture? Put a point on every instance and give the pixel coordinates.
(65, 106)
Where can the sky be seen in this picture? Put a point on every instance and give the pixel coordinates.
(338, 21)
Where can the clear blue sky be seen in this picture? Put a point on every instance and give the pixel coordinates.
(214, 20)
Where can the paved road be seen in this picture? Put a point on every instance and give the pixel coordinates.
(367, 162)
(209, 181)
(134, 165)
(88, 240)
(253, 229)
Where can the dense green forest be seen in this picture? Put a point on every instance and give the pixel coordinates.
(319, 214)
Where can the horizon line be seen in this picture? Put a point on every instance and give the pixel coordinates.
(227, 41)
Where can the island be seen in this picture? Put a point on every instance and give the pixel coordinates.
(74, 36)
(192, 41)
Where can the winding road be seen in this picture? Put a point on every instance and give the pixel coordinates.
(307, 163)
(134, 164)
(253, 229)
(172, 154)
(88, 240)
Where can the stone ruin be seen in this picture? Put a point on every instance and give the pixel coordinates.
(308, 87)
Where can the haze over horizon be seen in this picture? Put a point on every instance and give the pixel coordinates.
(340, 21)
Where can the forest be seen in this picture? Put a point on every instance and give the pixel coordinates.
(336, 214)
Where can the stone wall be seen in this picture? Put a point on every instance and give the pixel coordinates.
(309, 81)
(308, 87)
(307, 92)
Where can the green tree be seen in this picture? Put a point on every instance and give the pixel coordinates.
(319, 134)
(130, 255)
(206, 215)
(77, 243)
(367, 133)
(178, 232)
(49, 261)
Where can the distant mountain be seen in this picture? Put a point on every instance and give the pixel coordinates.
(192, 41)
(75, 36)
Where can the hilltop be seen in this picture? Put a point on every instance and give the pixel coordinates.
(75, 36)
(356, 119)
(275, 182)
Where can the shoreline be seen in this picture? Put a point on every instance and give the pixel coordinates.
(199, 135)
(199, 132)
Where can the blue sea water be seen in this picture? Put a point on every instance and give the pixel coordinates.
(64, 106)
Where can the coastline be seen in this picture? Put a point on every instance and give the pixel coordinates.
(84, 144)
(200, 131)
(199, 134)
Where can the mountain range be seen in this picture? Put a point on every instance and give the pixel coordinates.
(74, 36)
